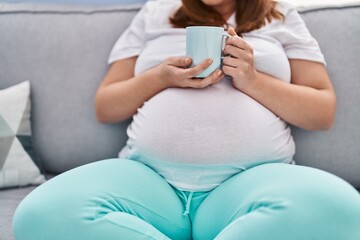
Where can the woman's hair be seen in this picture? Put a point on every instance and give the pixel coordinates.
(250, 15)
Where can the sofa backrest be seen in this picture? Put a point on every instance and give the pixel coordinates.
(63, 51)
(337, 150)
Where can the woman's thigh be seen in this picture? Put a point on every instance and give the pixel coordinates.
(280, 201)
(109, 199)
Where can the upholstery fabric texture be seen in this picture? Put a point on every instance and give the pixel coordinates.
(305, 5)
(336, 150)
(80, 2)
(72, 45)
(9, 200)
(64, 51)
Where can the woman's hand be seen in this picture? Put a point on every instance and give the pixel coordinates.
(175, 73)
(239, 64)
(309, 102)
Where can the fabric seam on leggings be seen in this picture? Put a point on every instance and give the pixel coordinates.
(227, 226)
(132, 229)
(171, 222)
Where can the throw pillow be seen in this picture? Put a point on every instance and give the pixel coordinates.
(16, 166)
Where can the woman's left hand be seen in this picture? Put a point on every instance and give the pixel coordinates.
(239, 61)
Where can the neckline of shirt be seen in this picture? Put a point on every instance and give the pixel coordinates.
(231, 21)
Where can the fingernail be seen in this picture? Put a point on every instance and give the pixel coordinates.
(210, 60)
(218, 72)
(187, 60)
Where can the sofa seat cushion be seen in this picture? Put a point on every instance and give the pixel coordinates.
(9, 200)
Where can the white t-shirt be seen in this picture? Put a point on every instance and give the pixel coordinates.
(197, 138)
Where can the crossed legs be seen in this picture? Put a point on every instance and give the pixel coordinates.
(123, 199)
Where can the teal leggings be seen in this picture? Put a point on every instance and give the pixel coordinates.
(123, 199)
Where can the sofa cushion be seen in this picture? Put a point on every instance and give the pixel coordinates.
(306, 5)
(336, 150)
(9, 200)
(62, 50)
(17, 167)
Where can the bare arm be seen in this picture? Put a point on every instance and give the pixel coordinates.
(309, 102)
(121, 93)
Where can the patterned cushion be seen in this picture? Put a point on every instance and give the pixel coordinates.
(16, 165)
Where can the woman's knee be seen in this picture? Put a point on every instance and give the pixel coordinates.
(82, 196)
(307, 188)
(281, 194)
(72, 195)
(33, 215)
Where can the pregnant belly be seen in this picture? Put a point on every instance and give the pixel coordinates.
(216, 125)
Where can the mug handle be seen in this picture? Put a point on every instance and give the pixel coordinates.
(225, 36)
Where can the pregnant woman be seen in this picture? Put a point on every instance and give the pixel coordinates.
(207, 158)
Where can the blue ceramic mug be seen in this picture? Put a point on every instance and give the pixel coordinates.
(205, 42)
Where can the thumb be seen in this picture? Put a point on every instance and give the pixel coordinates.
(179, 61)
(232, 32)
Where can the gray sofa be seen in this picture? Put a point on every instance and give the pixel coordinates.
(63, 51)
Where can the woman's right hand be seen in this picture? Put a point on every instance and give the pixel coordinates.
(175, 73)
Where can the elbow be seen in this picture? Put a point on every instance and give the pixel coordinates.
(101, 118)
(105, 114)
(321, 124)
(104, 117)
(327, 124)
(100, 115)
(328, 120)
(324, 119)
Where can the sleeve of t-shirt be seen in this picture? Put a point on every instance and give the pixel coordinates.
(296, 39)
(131, 40)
